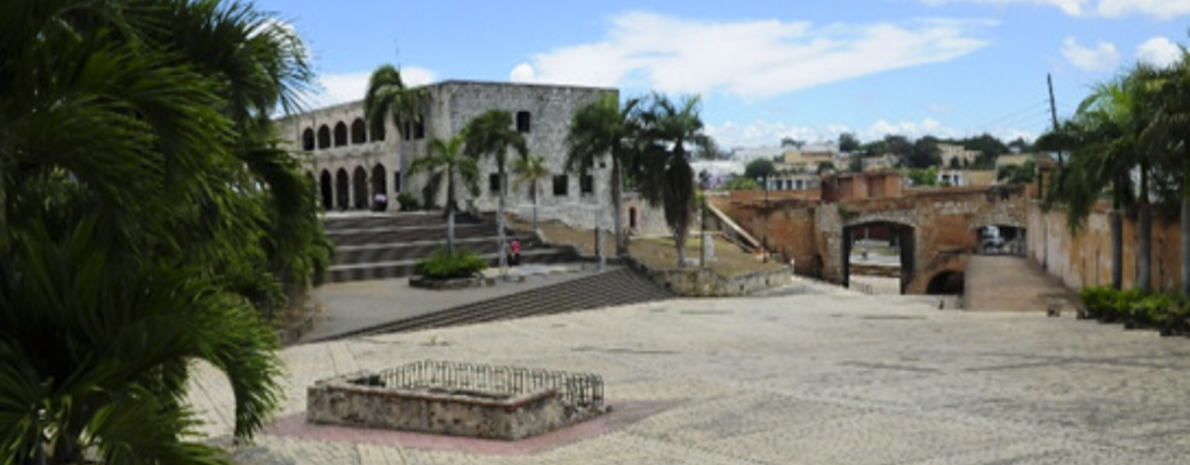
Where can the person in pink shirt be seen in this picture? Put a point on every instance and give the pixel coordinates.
(515, 247)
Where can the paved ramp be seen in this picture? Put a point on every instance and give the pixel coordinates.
(1004, 283)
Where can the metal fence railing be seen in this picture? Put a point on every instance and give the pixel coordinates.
(583, 390)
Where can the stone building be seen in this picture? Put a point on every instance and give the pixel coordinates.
(351, 162)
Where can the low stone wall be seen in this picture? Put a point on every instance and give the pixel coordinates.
(457, 399)
(698, 282)
(346, 404)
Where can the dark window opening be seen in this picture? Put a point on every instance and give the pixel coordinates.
(561, 186)
(522, 121)
(340, 134)
(378, 131)
(419, 131)
(586, 184)
(359, 133)
(407, 131)
(397, 181)
(324, 137)
(494, 182)
(308, 140)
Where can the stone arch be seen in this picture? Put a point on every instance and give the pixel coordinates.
(324, 137)
(308, 140)
(359, 131)
(379, 180)
(342, 196)
(900, 234)
(946, 282)
(359, 187)
(340, 134)
(326, 186)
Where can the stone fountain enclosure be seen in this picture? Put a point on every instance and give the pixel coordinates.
(458, 399)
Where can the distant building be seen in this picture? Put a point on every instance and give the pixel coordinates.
(350, 162)
(956, 156)
(745, 155)
(881, 162)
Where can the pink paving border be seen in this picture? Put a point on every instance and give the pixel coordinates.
(622, 415)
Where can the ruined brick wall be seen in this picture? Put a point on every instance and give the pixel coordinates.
(1085, 259)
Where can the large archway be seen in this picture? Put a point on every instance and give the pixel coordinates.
(328, 191)
(948, 282)
(324, 137)
(359, 132)
(379, 180)
(359, 188)
(308, 140)
(340, 134)
(881, 250)
(342, 197)
(1000, 239)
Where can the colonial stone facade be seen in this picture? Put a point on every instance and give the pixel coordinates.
(351, 162)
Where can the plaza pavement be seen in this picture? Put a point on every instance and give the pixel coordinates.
(816, 376)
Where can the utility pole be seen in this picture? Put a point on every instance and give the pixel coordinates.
(1049, 78)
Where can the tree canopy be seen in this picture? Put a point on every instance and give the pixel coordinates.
(148, 218)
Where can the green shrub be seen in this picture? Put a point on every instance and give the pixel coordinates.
(445, 265)
(1096, 300)
(1152, 309)
(407, 202)
(1120, 305)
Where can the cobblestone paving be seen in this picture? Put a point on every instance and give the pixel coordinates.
(799, 379)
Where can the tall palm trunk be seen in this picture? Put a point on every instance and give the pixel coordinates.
(1144, 275)
(533, 191)
(500, 224)
(1117, 234)
(1186, 230)
(618, 207)
(680, 241)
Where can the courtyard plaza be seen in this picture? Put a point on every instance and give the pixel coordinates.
(810, 375)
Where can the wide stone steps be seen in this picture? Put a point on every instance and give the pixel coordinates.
(620, 287)
(385, 246)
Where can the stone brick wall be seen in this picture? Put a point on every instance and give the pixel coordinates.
(698, 282)
(344, 404)
(1085, 259)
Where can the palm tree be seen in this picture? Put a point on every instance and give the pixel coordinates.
(388, 97)
(447, 165)
(666, 177)
(604, 128)
(492, 134)
(1104, 138)
(147, 219)
(531, 170)
(1165, 133)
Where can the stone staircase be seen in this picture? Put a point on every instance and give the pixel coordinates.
(389, 245)
(611, 288)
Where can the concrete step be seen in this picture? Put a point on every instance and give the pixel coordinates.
(619, 287)
(372, 270)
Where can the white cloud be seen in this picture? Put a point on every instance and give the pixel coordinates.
(1103, 57)
(752, 59)
(1159, 9)
(349, 87)
(523, 73)
(1159, 52)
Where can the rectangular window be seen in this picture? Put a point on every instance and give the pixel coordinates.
(419, 131)
(494, 182)
(561, 186)
(587, 184)
(522, 121)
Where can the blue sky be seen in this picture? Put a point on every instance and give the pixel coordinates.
(765, 69)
